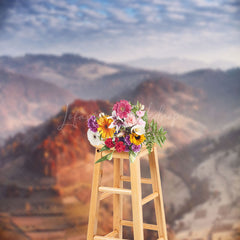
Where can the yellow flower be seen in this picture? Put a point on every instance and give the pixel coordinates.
(104, 129)
(137, 139)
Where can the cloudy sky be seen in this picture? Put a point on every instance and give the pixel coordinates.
(122, 30)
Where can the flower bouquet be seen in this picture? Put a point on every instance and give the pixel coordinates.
(126, 130)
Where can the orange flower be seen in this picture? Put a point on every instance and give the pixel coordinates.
(104, 129)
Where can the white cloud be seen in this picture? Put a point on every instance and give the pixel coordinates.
(206, 3)
(123, 29)
(176, 16)
(121, 15)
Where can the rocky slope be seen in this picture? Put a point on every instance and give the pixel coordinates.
(206, 169)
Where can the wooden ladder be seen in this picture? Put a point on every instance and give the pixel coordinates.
(101, 192)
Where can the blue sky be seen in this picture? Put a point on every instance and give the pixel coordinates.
(122, 30)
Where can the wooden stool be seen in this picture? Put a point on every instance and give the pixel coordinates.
(100, 192)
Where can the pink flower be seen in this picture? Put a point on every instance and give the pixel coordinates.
(130, 120)
(122, 108)
(141, 122)
(140, 113)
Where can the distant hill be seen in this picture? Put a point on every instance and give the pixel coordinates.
(170, 103)
(27, 101)
(84, 77)
(221, 88)
(177, 65)
(208, 96)
(61, 136)
(164, 90)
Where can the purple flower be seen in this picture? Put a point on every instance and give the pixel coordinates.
(92, 124)
(126, 148)
(127, 140)
(136, 148)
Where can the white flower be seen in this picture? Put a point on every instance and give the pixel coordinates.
(142, 107)
(121, 134)
(101, 114)
(112, 125)
(138, 129)
(117, 121)
(94, 138)
(114, 114)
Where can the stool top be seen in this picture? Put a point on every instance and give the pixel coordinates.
(124, 155)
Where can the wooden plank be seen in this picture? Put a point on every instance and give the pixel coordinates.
(145, 225)
(143, 180)
(94, 203)
(136, 188)
(124, 155)
(117, 198)
(158, 201)
(115, 190)
(149, 198)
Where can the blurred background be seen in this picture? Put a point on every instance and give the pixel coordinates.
(63, 60)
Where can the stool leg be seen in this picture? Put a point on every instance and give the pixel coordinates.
(117, 198)
(158, 202)
(136, 199)
(94, 203)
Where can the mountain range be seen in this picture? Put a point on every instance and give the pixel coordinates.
(178, 65)
(79, 77)
(45, 171)
(82, 76)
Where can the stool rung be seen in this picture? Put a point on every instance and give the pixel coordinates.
(115, 190)
(104, 195)
(106, 238)
(145, 225)
(112, 234)
(143, 180)
(149, 198)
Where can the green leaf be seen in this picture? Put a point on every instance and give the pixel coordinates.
(155, 128)
(158, 141)
(152, 124)
(109, 156)
(132, 156)
(104, 148)
(106, 157)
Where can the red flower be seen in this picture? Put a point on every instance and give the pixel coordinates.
(109, 143)
(120, 147)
